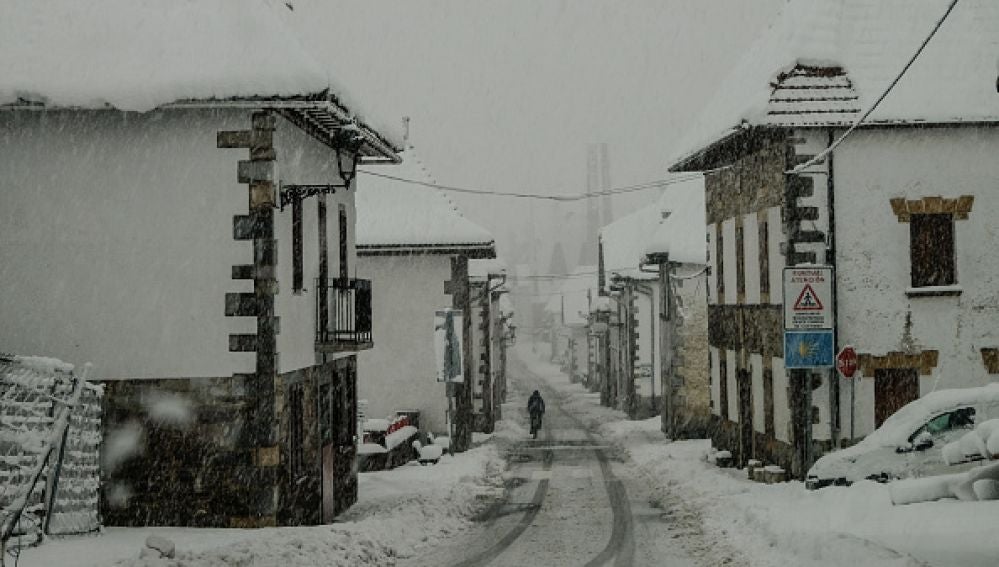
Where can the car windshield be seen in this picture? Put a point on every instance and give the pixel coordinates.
(963, 418)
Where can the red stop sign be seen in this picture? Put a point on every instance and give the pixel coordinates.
(846, 362)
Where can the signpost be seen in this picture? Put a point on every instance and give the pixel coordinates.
(846, 363)
(809, 327)
(808, 317)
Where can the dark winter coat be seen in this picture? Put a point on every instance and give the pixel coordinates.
(535, 405)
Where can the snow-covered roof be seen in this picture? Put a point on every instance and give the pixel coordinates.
(681, 234)
(574, 293)
(481, 268)
(137, 55)
(824, 62)
(394, 215)
(623, 241)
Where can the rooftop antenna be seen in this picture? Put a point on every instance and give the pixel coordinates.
(405, 131)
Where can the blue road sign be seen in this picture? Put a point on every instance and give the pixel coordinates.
(809, 349)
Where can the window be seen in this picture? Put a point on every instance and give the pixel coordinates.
(343, 242)
(740, 261)
(764, 241)
(931, 249)
(963, 418)
(296, 430)
(296, 246)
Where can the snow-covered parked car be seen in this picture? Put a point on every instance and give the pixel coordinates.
(910, 443)
(979, 444)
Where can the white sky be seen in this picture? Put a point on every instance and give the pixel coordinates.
(507, 94)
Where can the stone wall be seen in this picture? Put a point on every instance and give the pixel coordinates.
(177, 453)
(174, 455)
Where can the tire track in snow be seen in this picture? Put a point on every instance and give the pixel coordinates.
(485, 557)
(621, 545)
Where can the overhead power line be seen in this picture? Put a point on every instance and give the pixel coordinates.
(822, 155)
(659, 183)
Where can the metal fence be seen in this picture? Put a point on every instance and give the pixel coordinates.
(50, 434)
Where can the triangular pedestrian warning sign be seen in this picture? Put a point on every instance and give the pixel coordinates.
(808, 300)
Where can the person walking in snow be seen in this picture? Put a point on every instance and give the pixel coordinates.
(536, 408)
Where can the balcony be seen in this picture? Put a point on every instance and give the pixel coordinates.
(343, 315)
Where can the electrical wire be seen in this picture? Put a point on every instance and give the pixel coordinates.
(821, 155)
(656, 184)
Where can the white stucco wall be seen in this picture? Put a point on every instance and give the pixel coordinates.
(118, 247)
(873, 252)
(400, 371)
(776, 232)
(301, 159)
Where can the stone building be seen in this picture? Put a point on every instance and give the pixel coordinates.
(634, 364)
(193, 236)
(415, 246)
(900, 209)
(490, 332)
(677, 247)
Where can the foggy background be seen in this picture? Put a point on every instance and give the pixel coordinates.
(507, 95)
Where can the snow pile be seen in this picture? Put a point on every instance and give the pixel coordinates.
(983, 442)
(399, 514)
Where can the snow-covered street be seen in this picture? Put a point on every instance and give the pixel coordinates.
(572, 498)
(717, 516)
(400, 512)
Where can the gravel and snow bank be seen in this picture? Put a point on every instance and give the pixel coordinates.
(726, 519)
(399, 513)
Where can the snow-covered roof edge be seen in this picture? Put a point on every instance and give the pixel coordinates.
(241, 53)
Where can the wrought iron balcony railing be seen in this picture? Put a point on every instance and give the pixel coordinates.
(343, 315)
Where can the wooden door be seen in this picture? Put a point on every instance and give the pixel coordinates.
(893, 388)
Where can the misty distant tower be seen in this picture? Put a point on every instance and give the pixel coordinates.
(598, 210)
(558, 266)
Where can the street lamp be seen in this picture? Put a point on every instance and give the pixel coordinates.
(347, 142)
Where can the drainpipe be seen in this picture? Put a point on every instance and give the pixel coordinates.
(834, 394)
